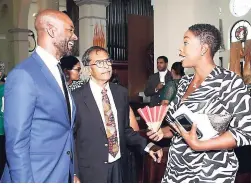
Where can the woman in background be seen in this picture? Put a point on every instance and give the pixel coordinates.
(170, 89)
(72, 70)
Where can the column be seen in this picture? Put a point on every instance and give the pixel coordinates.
(92, 23)
(18, 43)
(47, 4)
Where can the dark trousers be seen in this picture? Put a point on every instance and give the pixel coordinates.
(114, 172)
(2, 154)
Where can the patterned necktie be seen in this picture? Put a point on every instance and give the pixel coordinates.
(111, 131)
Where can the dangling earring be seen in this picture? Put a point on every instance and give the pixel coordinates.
(67, 77)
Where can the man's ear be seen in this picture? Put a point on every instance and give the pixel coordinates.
(51, 30)
(88, 70)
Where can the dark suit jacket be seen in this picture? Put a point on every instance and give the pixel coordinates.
(152, 83)
(91, 141)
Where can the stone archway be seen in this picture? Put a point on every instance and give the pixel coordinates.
(23, 12)
(17, 28)
(14, 45)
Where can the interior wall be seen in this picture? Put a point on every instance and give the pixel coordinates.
(173, 17)
(228, 21)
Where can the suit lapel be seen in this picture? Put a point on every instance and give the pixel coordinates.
(51, 81)
(157, 78)
(92, 106)
(73, 111)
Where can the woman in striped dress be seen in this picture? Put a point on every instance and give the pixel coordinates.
(210, 90)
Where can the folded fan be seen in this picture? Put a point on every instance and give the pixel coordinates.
(153, 116)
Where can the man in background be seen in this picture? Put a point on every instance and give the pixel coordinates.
(157, 81)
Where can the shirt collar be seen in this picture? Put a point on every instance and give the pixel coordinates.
(96, 87)
(47, 57)
(163, 72)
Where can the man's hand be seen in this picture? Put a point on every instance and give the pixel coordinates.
(156, 153)
(76, 180)
(159, 86)
(155, 136)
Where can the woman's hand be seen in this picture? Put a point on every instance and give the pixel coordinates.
(190, 137)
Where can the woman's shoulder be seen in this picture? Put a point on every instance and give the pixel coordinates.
(225, 74)
(76, 84)
(186, 78)
(170, 83)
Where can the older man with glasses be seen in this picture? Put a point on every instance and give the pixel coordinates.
(102, 125)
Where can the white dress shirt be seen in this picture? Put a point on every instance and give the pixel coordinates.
(96, 91)
(162, 76)
(51, 62)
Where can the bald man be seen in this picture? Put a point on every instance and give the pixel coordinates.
(39, 110)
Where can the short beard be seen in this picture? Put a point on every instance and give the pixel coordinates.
(162, 70)
(62, 48)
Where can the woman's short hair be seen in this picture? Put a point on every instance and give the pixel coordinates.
(178, 68)
(68, 62)
(208, 34)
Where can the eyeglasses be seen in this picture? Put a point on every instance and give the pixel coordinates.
(77, 69)
(101, 63)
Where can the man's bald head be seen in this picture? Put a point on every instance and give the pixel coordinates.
(47, 18)
(55, 32)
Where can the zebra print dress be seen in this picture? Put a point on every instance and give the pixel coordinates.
(222, 92)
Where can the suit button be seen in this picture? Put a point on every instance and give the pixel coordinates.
(105, 162)
(106, 145)
(68, 152)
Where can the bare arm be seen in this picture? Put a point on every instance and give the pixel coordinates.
(167, 132)
(238, 102)
(224, 141)
(133, 121)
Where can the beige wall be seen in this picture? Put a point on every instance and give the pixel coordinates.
(228, 21)
(6, 23)
(173, 17)
(19, 17)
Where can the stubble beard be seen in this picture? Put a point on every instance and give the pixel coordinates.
(62, 48)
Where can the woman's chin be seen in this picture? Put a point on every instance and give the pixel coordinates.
(187, 64)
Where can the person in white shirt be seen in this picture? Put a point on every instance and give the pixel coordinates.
(39, 111)
(102, 125)
(157, 81)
